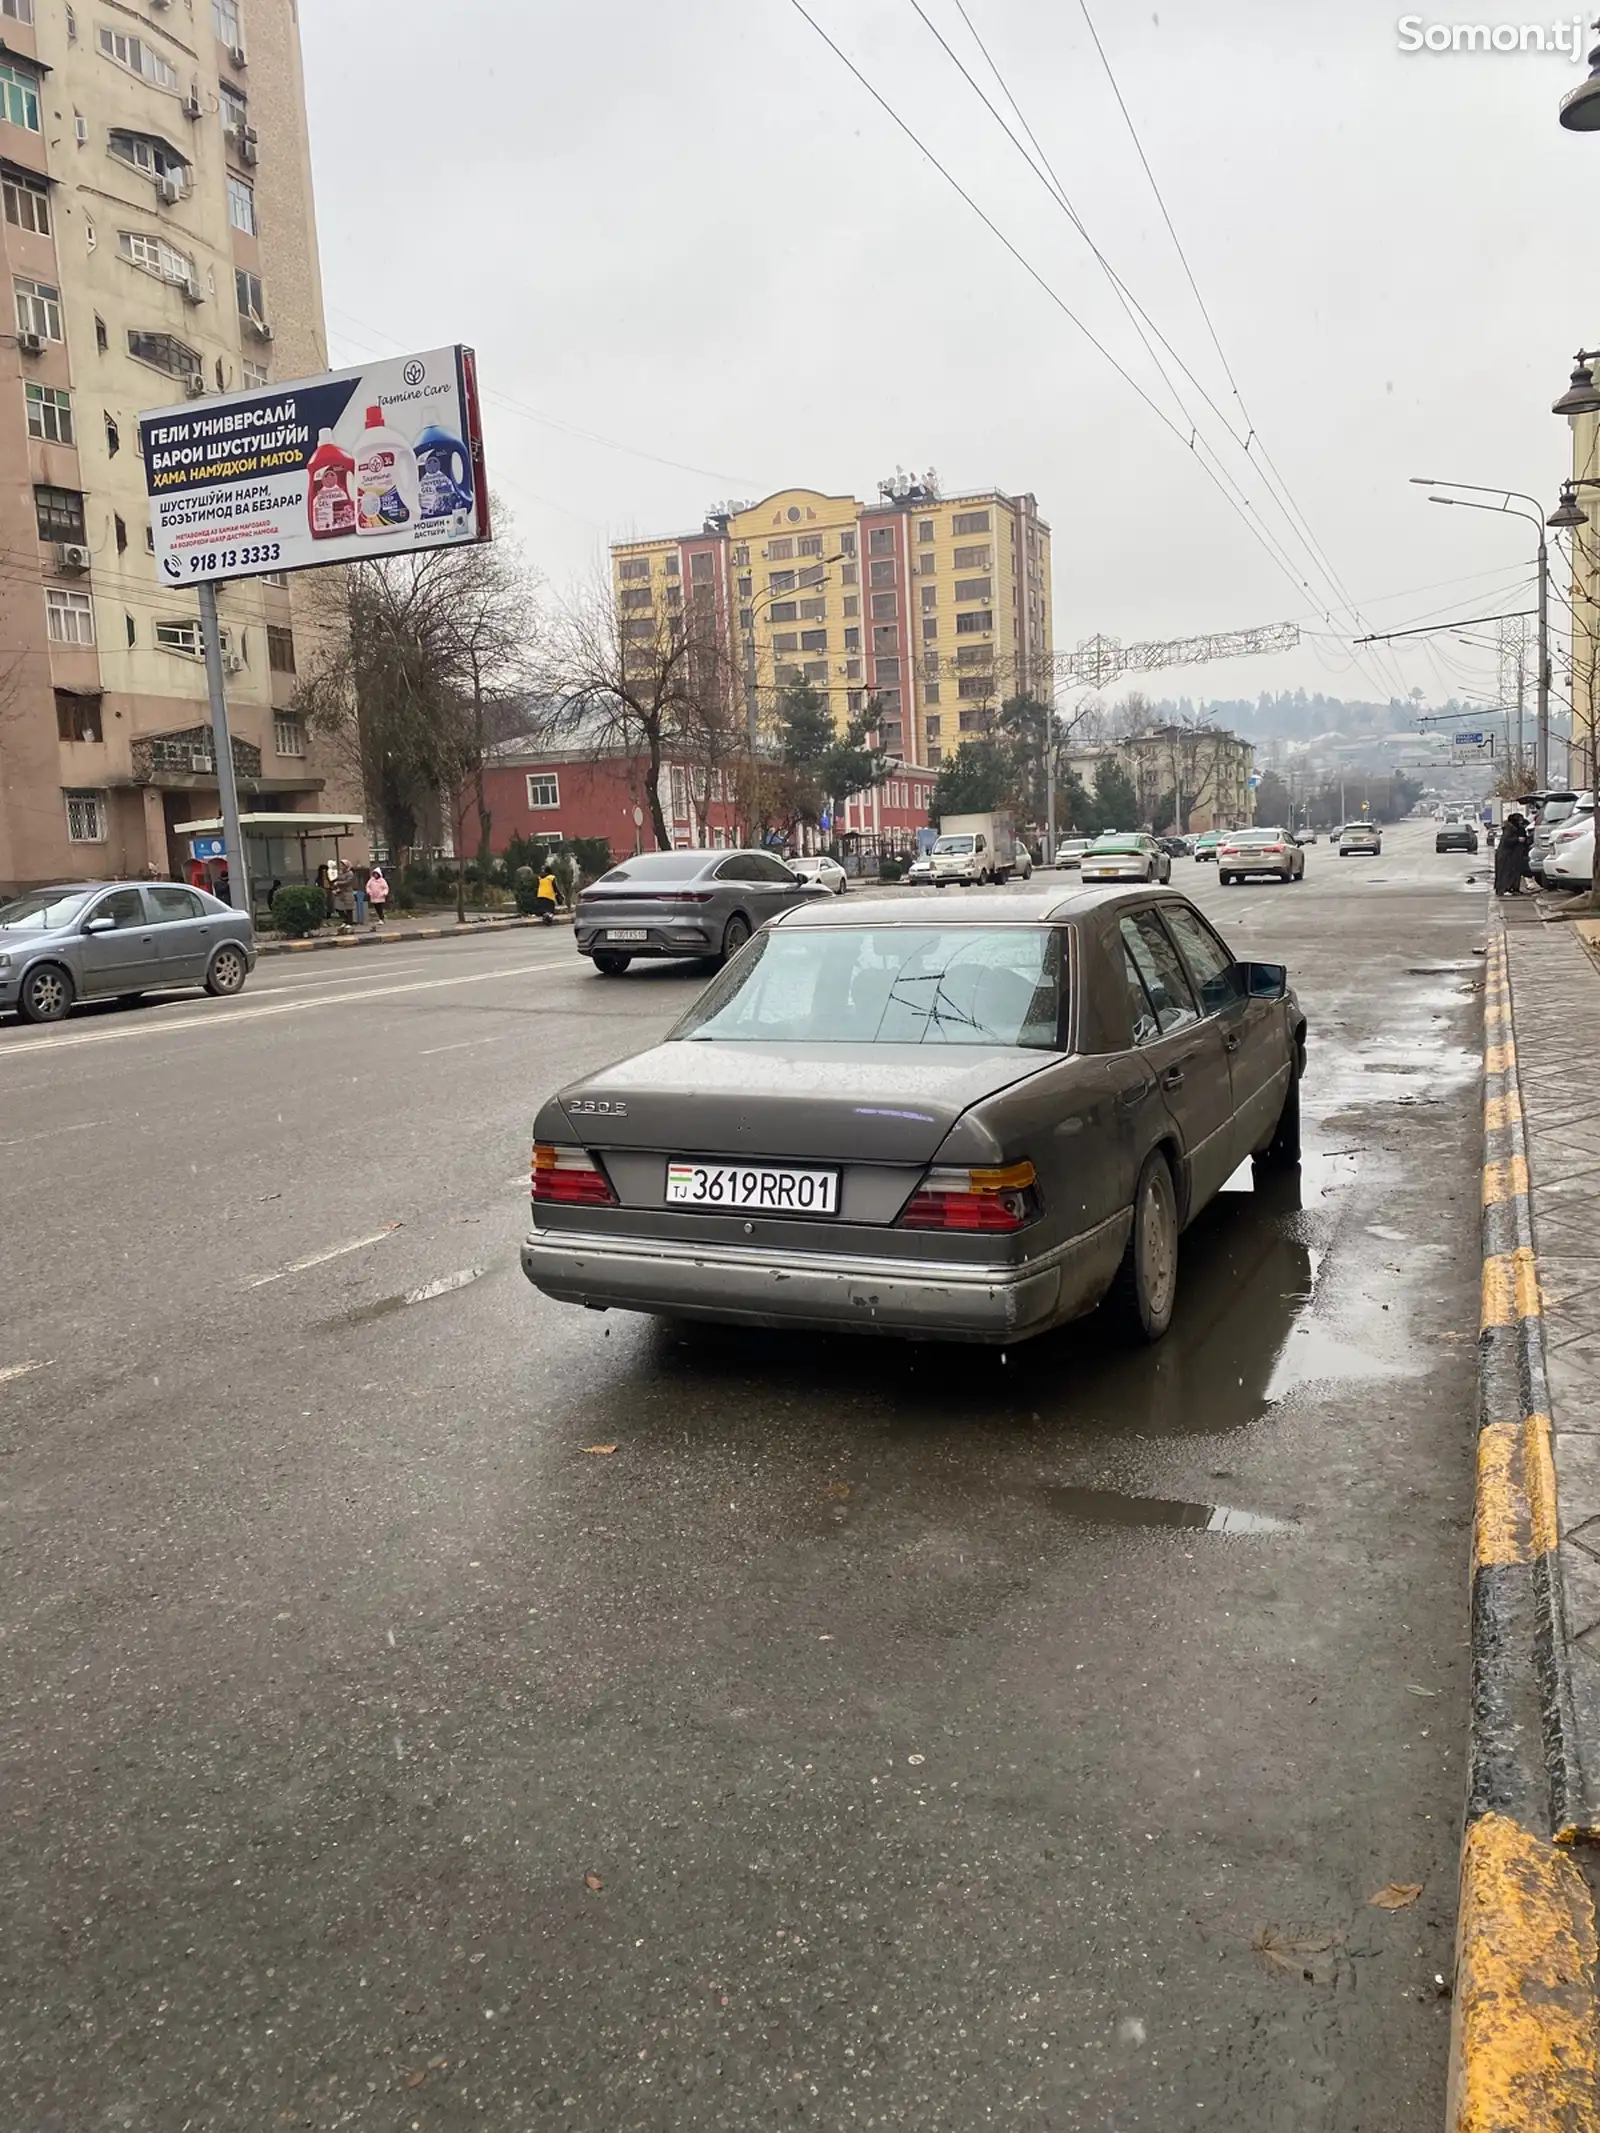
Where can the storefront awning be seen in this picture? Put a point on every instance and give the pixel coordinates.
(289, 825)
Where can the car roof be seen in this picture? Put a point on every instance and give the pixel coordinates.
(1011, 907)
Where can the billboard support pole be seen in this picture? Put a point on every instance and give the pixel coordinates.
(222, 749)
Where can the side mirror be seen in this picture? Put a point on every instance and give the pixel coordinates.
(1267, 981)
(101, 925)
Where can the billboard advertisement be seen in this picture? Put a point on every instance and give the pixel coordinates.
(347, 467)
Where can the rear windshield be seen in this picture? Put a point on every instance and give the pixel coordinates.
(1000, 985)
(1255, 837)
(658, 866)
(1117, 844)
(1558, 810)
(44, 911)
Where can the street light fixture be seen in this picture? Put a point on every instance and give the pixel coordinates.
(1582, 396)
(1580, 107)
(1536, 518)
(1569, 515)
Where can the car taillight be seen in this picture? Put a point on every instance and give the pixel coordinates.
(570, 1176)
(973, 1199)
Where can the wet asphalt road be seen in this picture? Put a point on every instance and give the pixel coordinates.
(873, 1738)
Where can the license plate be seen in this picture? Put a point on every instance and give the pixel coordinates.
(627, 933)
(760, 1187)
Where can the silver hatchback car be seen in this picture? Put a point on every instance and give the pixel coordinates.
(93, 940)
(685, 904)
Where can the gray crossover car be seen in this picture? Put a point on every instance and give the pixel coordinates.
(90, 940)
(684, 904)
(970, 1126)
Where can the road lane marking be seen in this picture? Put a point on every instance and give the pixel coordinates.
(21, 1370)
(337, 1251)
(90, 1125)
(466, 1044)
(26, 1047)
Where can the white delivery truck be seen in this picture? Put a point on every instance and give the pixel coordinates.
(978, 848)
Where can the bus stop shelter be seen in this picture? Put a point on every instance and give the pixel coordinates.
(280, 847)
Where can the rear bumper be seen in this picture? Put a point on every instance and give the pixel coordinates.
(907, 1298)
(689, 939)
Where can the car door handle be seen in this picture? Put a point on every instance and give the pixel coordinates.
(1230, 1043)
(1131, 1097)
(1172, 1078)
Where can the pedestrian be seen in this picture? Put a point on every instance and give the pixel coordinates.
(1511, 856)
(546, 897)
(377, 892)
(272, 890)
(222, 882)
(325, 888)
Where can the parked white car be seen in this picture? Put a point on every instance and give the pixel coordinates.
(817, 866)
(1070, 851)
(920, 872)
(1569, 862)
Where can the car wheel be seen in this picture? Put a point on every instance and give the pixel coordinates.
(46, 994)
(228, 971)
(1282, 1152)
(1145, 1288)
(609, 963)
(843, 885)
(734, 936)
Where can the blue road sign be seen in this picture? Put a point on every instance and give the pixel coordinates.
(208, 848)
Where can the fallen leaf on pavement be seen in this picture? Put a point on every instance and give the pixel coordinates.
(1415, 1688)
(598, 1451)
(593, 1881)
(1396, 1895)
(415, 2081)
(1294, 1952)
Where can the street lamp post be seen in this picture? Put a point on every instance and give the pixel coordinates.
(1536, 517)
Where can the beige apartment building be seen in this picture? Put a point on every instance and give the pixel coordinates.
(938, 606)
(159, 243)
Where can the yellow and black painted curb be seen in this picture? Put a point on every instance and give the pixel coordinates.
(395, 939)
(1525, 2042)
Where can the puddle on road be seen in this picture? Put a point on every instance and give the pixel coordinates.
(1109, 1507)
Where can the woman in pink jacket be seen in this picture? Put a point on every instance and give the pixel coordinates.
(377, 893)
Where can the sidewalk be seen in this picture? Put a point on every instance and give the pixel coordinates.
(371, 936)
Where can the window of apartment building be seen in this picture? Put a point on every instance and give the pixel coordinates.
(113, 433)
(288, 733)
(880, 573)
(974, 588)
(38, 308)
(235, 108)
(885, 640)
(850, 574)
(152, 158)
(930, 695)
(634, 566)
(933, 727)
(815, 670)
(672, 566)
(700, 567)
(49, 414)
(255, 373)
(27, 202)
(969, 522)
(972, 624)
(975, 685)
(139, 56)
(813, 640)
(812, 574)
(248, 296)
(77, 717)
(280, 650)
(241, 205)
(780, 581)
(635, 596)
(887, 669)
(121, 525)
(930, 598)
(783, 611)
(927, 564)
(180, 637)
(847, 543)
(852, 640)
(19, 96)
(974, 721)
(789, 677)
(58, 512)
(86, 817)
(163, 351)
(155, 256)
(883, 607)
(779, 551)
(638, 632)
(813, 610)
(17, 10)
(924, 529)
(227, 19)
(930, 629)
(854, 702)
(808, 544)
(747, 618)
(975, 655)
(69, 616)
(786, 641)
(544, 789)
(974, 558)
(852, 603)
(745, 587)
(935, 756)
(889, 701)
(880, 541)
(930, 665)
(852, 670)
(741, 554)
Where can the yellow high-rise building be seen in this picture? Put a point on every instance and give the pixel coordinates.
(937, 607)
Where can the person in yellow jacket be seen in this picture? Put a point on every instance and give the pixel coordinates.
(546, 896)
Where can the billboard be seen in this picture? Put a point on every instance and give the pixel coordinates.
(347, 467)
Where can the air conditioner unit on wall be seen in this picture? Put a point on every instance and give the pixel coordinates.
(236, 53)
(31, 344)
(71, 555)
(249, 152)
(232, 663)
(194, 290)
(195, 386)
(169, 188)
(192, 106)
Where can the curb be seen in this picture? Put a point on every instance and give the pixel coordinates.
(395, 939)
(1525, 2043)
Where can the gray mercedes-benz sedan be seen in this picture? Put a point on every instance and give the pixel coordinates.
(90, 940)
(690, 904)
(971, 1127)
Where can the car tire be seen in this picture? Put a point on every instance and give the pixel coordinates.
(843, 885)
(734, 935)
(1144, 1289)
(1282, 1152)
(228, 970)
(609, 963)
(46, 994)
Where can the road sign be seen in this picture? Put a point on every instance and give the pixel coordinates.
(1467, 740)
(208, 848)
(343, 468)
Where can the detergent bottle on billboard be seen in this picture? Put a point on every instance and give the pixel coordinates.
(330, 490)
(444, 477)
(386, 478)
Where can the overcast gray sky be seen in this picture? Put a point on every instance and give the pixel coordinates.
(690, 232)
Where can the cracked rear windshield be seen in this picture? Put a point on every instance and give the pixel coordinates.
(1001, 985)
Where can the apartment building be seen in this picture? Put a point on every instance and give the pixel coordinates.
(938, 606)
(159, 243)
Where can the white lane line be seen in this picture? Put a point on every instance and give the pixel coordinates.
(467, 1044)
(26, 1047)
(337, 1251)
(21, 1370)
(89, 1125)
(302, 982)
(446, 1283)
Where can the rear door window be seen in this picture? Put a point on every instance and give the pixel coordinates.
(174, 903)
(1158, 964)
